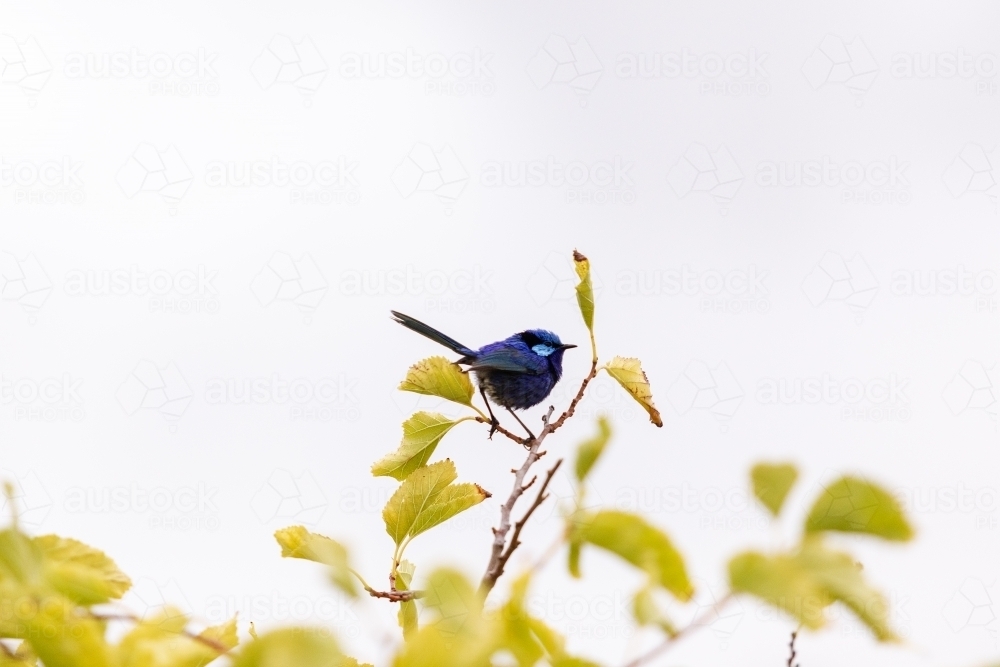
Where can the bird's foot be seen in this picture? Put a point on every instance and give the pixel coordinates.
(494, 425)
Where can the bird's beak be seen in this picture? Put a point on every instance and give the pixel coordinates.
(566, 346)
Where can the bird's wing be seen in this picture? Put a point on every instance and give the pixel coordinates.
(509, 359)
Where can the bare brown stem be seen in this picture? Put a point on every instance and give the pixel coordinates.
(501, 551)
(669, 642)
(207, 641)
(515, 542)
(500, 429)
(791, 647)
(395, 596)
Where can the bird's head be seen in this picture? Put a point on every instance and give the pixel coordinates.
(545, 344)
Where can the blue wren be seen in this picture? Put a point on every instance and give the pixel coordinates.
(516, 372)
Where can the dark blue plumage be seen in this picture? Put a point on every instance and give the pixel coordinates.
(516, 373)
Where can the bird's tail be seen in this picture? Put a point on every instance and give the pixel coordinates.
(432, 333)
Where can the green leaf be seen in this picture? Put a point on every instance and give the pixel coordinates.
(421, 434)
(301, 647)
(436, 376)
(298, 542)
(584, 289)
(771, 484)
(81, 573)
(427, 498)
(641, 544)
(454, 602)
(629, 374)
(21, 558)
(841, 577)
(56, 631)
(590, 450)
(23, 656)
(805, 582)
(781, 582)
(407, 615)
(854, 505)
(647, 612)
(516, 633)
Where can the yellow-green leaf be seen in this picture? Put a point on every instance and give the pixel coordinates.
(640, 543)
(454, 602)
(514, 629)
(584, 289)
(647, 612)
(780, 581)
(21, 558)
(772, 482)
(298, 542)
(23, 656)
(160, 641)
(427, 498)
(629, 374)
(298, 647)
(855, 505)
(436, 376)
(58, 633)
(407, 615)
(804, 583)
(589, 450)
(421, 434)
(841, 577)
(81, 573)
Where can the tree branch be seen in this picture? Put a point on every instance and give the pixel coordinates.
(668, 643)
(550, 427)
(207, 641)
(500, 429)
(395, 596)
(518, 525)
(791, 647)
(501, 552)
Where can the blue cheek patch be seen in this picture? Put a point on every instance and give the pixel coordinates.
(543, 350)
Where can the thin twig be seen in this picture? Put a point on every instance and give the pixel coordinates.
(495, 567)
(500, 429)
(7, 652)
(667, 643)
(550, 427)
(519, 525)
(791, 647)
(395, 596)
(207, 641)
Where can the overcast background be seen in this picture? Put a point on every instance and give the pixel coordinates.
(665, 141)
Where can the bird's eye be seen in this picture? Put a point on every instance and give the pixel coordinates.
(543, 350)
